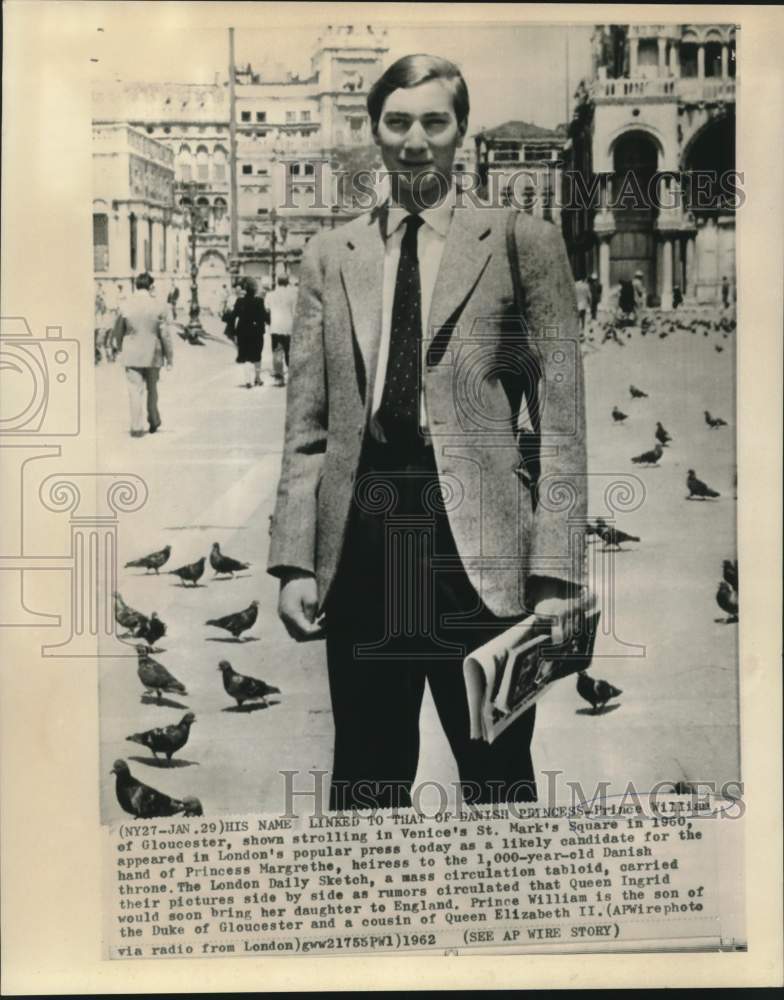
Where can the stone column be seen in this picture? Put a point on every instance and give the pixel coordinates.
(604, 270)
(662, 66)
(701, 61)
(666, 290)
(633, 48)
(94, 501)
(724, 61)
(690, 276)
(674, 61)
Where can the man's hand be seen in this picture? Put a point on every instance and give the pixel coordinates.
(562, 612)
(297, 607)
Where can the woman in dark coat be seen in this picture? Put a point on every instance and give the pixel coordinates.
(248, 320)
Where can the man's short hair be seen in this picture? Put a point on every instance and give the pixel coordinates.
(410, 71)
(144, 280)
(283, 280)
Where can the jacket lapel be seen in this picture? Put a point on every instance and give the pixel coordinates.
(466, 253)
(362, 269)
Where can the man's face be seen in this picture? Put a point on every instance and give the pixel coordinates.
(418, 135)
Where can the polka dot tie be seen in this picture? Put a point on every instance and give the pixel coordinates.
(399, 410)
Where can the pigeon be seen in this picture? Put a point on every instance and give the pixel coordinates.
(223, 564)
(597, 693)
(727, 600)
(637, 393)
(166, 739)
(130, 619)
(239, 622)
(718, 348)
(697, 488)
(244, 688)
(154, 676)
(152, 629)
(153, 561)
(730, 572)
(714, 422)
(618, 416)
(649, 457)
(612, 536)
(661, 435)
(144, 802)
(192, 572)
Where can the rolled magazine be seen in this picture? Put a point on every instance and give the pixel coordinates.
(508, 675)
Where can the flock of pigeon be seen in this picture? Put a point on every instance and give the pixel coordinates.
(598, 692)
(141, 800)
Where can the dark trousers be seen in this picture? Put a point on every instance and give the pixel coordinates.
(402, 612)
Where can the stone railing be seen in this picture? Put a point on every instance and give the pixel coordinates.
(635, 89)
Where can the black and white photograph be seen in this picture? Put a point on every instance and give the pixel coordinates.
(389, 409)
(561, 422)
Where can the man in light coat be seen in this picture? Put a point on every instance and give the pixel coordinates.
(410, 527)
(140, 331)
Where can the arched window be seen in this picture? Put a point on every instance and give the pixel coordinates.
(220, 208)
(202, 164)
(219, 159)
(184, 166)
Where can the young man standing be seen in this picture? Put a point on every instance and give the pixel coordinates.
(407, 529)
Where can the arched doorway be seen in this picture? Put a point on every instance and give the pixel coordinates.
(213, 280)
(633, 246)
(708, 161)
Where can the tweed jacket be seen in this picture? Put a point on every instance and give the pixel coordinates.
(140, 330)
(510, 530)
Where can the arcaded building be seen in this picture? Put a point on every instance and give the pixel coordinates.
(653, 140)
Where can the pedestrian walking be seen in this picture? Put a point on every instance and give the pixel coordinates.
(583, 294)
(725, 292)
(101, 327)
(374, 396)
(596, 293)
(247, 323)
(172, 299)
(281, 302)
(640, 293)
(141, 334)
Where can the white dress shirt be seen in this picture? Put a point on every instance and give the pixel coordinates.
(431, 238)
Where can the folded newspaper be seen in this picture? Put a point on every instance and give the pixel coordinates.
(509, 674)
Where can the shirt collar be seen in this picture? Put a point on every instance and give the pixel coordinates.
(438, 218)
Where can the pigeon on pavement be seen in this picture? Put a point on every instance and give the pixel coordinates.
(612, 536)
(637, 393)
(129, 618)
(152, 629)
(730, 572)
(243, 688)
(649, 457)
(697, 488)
(191, 573)
(153, 561)
(597, 693)
(618, 416)
(154, 676)
(727, 600)
(238, 622)
(224, 564)
(166, 739)
(145, 802)
(662, 436)
(714, 422)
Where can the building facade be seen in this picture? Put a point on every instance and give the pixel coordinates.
(520, 164)
(651, 161)
(289, 131)
(136, 224)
